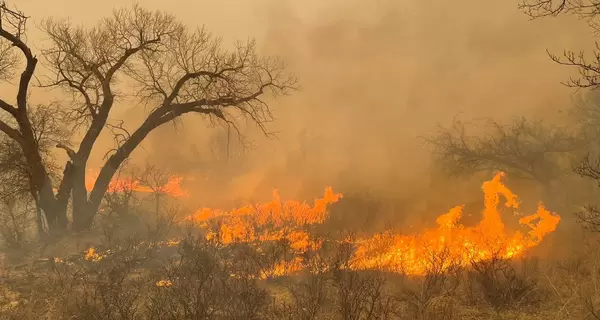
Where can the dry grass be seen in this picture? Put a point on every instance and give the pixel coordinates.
(204, 280)
(198, 279)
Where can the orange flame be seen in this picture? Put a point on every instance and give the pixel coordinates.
(456, 244)
(453, 242)
(260, 222)
(172, 187)
(450, 244)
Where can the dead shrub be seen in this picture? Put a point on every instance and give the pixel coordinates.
(502, 286)
(16, 220)
(203, 284)
(432, 296)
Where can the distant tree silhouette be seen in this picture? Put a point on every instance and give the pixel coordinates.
(524, 148)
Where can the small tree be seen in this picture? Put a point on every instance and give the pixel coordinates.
(524, 148)
(174, 70)
(121, 198)
(157, 181)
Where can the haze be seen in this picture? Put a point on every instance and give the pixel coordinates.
(374, 76)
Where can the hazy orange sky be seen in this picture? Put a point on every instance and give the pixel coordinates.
(374, 76)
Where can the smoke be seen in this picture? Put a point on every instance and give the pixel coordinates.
(374, 76)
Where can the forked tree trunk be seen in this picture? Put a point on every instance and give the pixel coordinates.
(85, 210)
(83, 215)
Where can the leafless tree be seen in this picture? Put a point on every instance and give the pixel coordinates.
(15, 220)
(589, 217)
(122, 198)
(588, 10)
(523, 148)
(174, 71)
(157, 180)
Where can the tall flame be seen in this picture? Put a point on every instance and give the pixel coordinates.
(455, 243)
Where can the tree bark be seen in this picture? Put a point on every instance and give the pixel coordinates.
(85, 214)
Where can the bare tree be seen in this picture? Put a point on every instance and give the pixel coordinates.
(589, 217)
(588, 10)
(15, 221)
(157, 180)
(524, 148)
(121, 198)
(175, 71)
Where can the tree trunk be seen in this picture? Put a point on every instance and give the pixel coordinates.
(157, 204)
(86, 209)
(42, 185)
(85, 215)
(80, 198)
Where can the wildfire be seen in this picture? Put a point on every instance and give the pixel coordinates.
(92, 255)
(452, 243)
(172, 187)
(449, 244)
(164, 283)
(274, 220)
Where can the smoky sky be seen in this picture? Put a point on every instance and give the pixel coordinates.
(374, 77)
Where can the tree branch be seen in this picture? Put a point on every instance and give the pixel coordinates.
(8, 108)
(12, 133)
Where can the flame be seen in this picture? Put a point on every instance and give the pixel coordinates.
(164, 283)
(274, 220)
(92, 255)
(172, 187)
(449, 244)
(283, 268)
(454, 243)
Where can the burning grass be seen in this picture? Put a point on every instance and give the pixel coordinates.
(263, 262)
(410, 254)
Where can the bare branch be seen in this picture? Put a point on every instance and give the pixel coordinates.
(543, 8)
(583, 9)
(86, 61)
(69, 151)
(195, 75)
(588, 10)
(525, 148)
(10, 131)
(8, 61)
(18, 21)
(120, 135)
